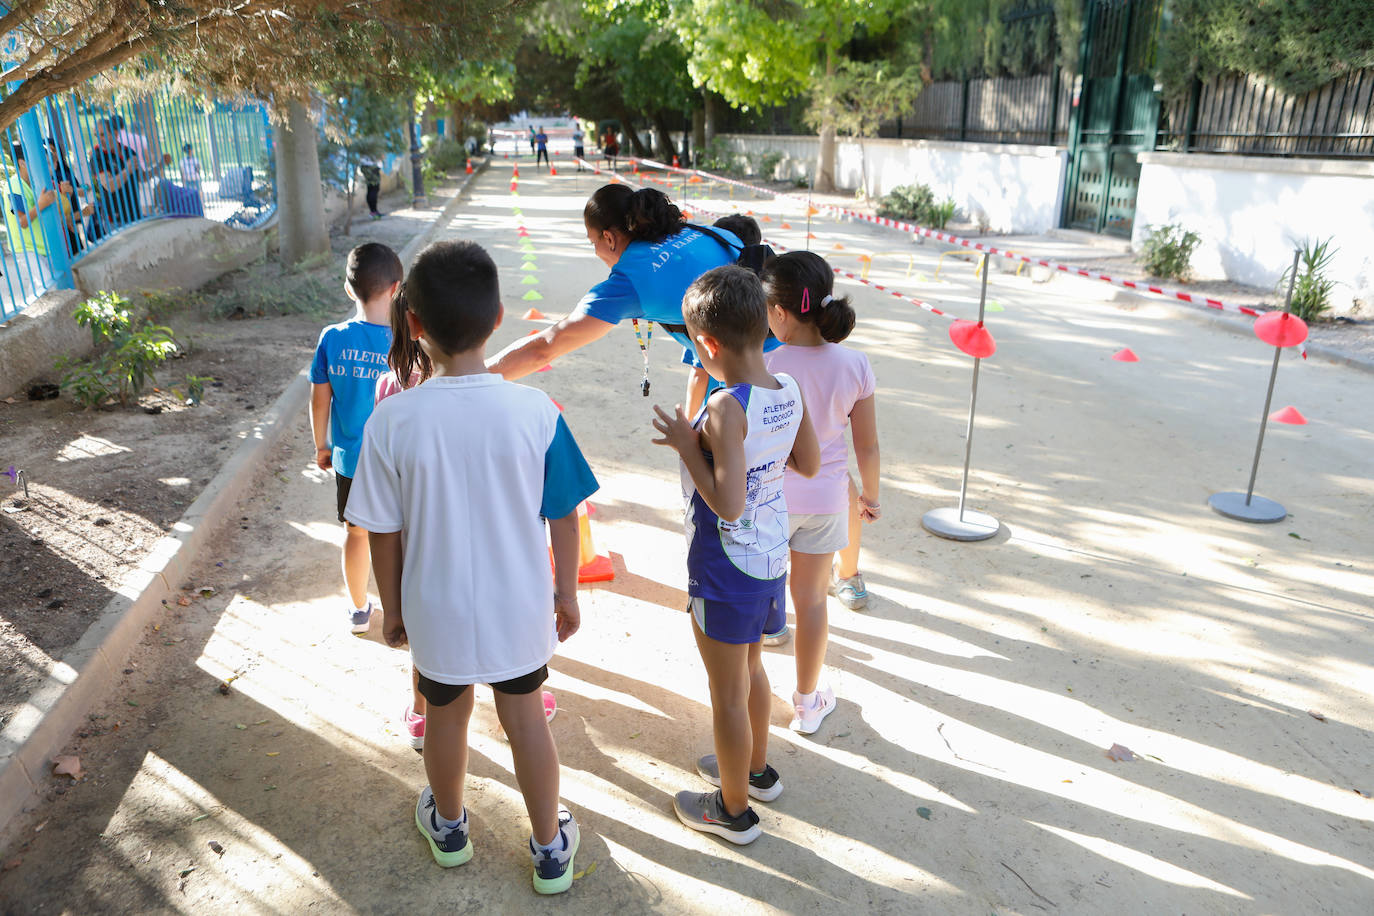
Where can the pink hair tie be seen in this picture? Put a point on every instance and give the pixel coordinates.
(806, 300)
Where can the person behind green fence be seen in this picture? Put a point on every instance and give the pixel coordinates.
(116, 172)
(26, 235)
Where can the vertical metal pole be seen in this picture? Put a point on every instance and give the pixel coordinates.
(972, 403)
(1273, 374)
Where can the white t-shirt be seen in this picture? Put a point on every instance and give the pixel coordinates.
(833, 379)
(464, 467)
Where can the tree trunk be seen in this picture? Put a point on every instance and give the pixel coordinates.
(351, 182)
(417, 178)
(300, 195)
(629, 131)
(699, 132)
(711, 105)
(663, 136)
(825, 166)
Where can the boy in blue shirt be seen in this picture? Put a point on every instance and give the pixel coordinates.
(456, 478)
(348, 358)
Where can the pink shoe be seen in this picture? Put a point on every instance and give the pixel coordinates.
(415, 728)
(550, 706)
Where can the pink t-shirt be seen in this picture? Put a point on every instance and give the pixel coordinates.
(387, 385)
(833, 379)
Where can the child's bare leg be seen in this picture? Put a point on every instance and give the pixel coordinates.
(446, 753)
(849, 557)
(727, 670)
(356, 558)
(760, 708)
(536, 759)
(417, 700)
(807, 582)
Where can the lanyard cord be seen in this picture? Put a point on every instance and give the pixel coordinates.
(644, 350)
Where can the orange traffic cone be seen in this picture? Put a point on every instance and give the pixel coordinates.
(591, 567)
(553, 170)
(533, 315)
(516, 171)
(675, 162)
(469, 168)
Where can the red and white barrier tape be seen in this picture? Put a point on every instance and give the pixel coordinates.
(914, 229)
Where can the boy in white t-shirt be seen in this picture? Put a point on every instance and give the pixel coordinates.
(455, 479)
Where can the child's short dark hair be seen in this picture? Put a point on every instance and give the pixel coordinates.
(371, 269)
(728, 304)
(746, 227)
(453, 290)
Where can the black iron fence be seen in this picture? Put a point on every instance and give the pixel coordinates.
(1240, 114)
(1002, 109)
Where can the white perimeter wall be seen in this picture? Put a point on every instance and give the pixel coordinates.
(1251, 211)
(1012, 188)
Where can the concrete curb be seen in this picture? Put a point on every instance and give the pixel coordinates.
(82, 677)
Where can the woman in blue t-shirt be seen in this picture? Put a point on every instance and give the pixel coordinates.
(653, 254)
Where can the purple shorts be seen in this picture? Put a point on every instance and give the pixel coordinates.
(743, 620)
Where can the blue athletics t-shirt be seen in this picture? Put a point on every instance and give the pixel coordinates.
(650, 278)
(349, 357)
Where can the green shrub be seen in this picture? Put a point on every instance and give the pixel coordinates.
(916, 202)
(297, 293)
(134, 352)
(908, 201)
(447, 155)
(1168, 250)
(1312, 291)
(768, 165)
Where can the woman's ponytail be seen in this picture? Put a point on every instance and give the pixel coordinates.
(645, 215)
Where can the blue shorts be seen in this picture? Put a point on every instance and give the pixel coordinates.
(744, 620)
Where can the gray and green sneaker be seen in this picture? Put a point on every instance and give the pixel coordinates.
(764, 786)
(553, 864)
(450, 845)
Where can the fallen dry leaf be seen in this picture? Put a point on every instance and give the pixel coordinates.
(1319, 716)
(67, 765)
(13, 863)
(216, 848)
(1122, 753)
(184, 601)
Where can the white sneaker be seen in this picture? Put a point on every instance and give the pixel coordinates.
(808, 718)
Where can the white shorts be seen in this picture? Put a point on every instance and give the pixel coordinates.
(818, 534)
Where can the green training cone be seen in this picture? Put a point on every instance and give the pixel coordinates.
(531, 296)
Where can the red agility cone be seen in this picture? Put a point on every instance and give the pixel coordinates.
(515, 172)
(1289, 415)
(553, 170)
(469, 168)
(674, 162)
(1125, 355)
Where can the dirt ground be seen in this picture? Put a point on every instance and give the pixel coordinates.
(104, 485)
(966, 769)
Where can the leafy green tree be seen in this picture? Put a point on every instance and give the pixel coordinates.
(765, 52)
(860, 96)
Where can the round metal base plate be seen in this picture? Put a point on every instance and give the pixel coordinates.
(974, 526)
(1232, 505)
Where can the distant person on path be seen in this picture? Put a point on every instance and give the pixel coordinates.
(455, 481)
(541, 140)
(610, 147)
(733, 457)
(579, 150)
(838, 385)
(653, 256)
(115, 168)
(348, 359)
(411, 366)
(532, 139)
(371, 169)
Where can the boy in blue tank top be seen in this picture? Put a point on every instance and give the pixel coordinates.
(733, 457)
(348, 358)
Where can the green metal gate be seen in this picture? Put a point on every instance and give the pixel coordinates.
(1115, 116)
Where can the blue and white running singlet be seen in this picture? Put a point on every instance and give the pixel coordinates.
(732, 559)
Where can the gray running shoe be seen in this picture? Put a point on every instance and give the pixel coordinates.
(705, 811)
(852, 592)
(764, 786)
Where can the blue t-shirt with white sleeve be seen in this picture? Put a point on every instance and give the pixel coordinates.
(349, 357)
